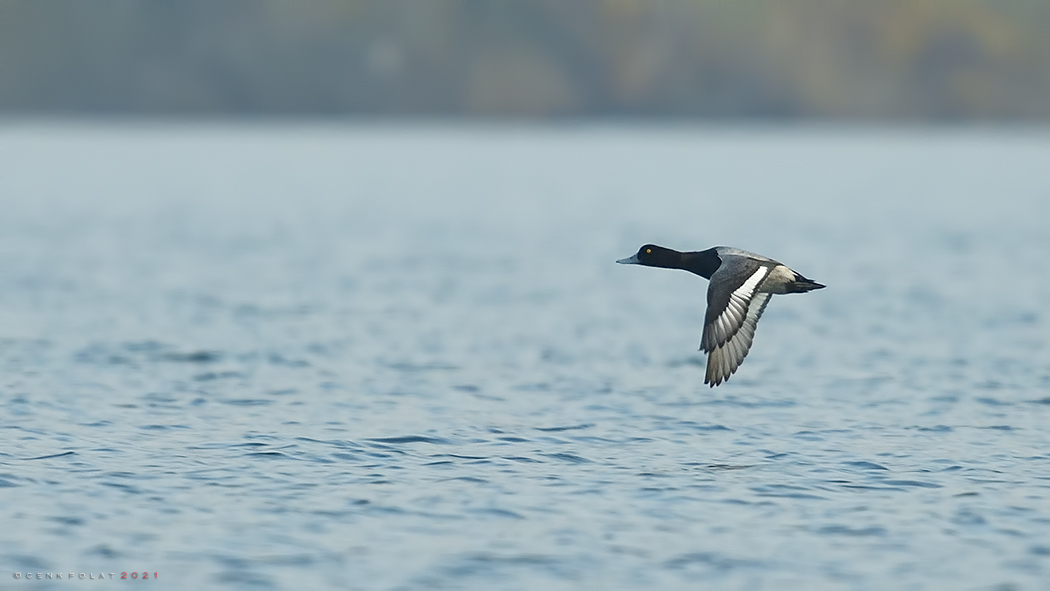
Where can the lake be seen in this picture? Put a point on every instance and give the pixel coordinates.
(353, 355)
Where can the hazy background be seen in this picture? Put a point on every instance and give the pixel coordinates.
(868, 60)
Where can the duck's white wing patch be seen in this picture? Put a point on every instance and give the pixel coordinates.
(723, 360)
(728, 299)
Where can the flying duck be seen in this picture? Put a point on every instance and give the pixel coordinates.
(741, 284)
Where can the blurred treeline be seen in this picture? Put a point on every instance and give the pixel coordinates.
(844, 59)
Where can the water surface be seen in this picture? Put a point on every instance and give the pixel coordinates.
(367, 357)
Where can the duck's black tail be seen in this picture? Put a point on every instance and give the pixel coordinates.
(802, 285)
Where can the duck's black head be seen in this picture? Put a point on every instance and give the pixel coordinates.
(652, 255)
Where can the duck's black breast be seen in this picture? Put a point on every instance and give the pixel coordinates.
(704, 263)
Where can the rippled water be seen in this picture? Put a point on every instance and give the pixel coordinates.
(366, 357)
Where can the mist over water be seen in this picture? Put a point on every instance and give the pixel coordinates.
(402, 357)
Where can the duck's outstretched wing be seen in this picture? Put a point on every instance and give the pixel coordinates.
(734, 306)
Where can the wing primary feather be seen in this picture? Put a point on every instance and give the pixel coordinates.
(725, 357)
(732, 318)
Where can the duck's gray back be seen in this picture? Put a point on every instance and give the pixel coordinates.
(725, 252)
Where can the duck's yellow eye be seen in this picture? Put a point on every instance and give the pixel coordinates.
(648, 251)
